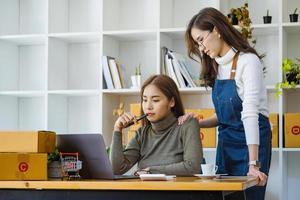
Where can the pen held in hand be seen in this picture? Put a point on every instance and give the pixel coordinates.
(136, 120)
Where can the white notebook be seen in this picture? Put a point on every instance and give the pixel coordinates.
(156, 177)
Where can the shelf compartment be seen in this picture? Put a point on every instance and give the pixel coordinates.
(130, 53)
(268, 45)
(22, 113)
(23, 17)
(73, 65)
(75, 16)
(22, 66)
(130, 14)
(174, 40)
(177, 13)
(73, 114)
(291, 100)
(288, 8)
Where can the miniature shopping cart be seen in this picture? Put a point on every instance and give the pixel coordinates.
(71, 165)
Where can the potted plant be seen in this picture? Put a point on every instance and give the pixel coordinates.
(291, 78)
(244, 21)
(54, 164)
(136, 78)
(267, 19)
(294, 16)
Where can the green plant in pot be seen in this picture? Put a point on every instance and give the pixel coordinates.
(244, 21)
(291, 78)
(54, 164)
(294, 16)
(267, 18)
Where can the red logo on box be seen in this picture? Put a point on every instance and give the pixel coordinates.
(23, 167)
(296, 130)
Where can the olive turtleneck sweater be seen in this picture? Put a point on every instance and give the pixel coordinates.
(164, 147)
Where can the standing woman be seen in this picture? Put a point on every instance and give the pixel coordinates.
(234, 71)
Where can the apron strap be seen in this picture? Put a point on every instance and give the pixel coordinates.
(233, 67)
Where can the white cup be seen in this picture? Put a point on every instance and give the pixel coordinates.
(209, 169)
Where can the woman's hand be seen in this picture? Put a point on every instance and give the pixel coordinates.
(122, 121)
(142, 171)
(254, 171)
(185, 117)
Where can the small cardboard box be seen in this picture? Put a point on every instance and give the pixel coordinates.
(23, 166)
(207, 135)
(273, 118)
(292, 130)
(27, 141)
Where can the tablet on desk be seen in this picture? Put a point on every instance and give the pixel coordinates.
(95, 161)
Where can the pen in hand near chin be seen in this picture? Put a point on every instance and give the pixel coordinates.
(136, 120)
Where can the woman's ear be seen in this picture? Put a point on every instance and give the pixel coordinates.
(172, 102)
(217, 32)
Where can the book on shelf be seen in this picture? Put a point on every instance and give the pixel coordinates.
(107, 73)
(112, 73)
(176, 66)
(170, 69)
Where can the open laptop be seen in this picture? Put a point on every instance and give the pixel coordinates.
(95, 161)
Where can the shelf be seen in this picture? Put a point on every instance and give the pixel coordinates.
(174, 33)
(23, 93)
(291, 149)
(74, 92)
(122, 91)
(293, 28)
(195, 90)
(34, 39)
(83, 37)
(265, 29)
(132, 35)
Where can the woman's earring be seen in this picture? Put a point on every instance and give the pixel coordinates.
(219, 35)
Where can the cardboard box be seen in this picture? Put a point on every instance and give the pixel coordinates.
(27, 141)
(207, 135)
(135, 108)
(23, 166)
(292, 130)
(273, 118)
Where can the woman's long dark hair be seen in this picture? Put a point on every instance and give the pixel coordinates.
(208, 19)
(169, 88)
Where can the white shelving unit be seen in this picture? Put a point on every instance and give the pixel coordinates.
(51, 75)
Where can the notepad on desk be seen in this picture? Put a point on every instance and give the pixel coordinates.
(156, 177)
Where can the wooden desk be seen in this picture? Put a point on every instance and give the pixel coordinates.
(134, 189)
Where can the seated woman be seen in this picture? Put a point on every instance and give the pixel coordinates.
(160, 145)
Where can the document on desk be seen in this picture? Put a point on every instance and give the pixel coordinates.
(156, 177)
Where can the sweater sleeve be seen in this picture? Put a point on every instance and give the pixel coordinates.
(192, 155)
(252, 77)
(123, 160)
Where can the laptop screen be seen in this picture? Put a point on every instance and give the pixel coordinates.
(92, 153)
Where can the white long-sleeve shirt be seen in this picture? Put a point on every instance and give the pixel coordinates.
(250, 88)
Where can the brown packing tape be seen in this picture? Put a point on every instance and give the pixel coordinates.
(47, 141)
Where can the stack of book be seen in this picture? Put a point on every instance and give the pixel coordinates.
(175, 66)
(112, 74)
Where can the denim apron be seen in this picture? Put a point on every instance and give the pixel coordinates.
(232, 151)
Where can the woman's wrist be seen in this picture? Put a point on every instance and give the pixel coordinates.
(117, 129)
